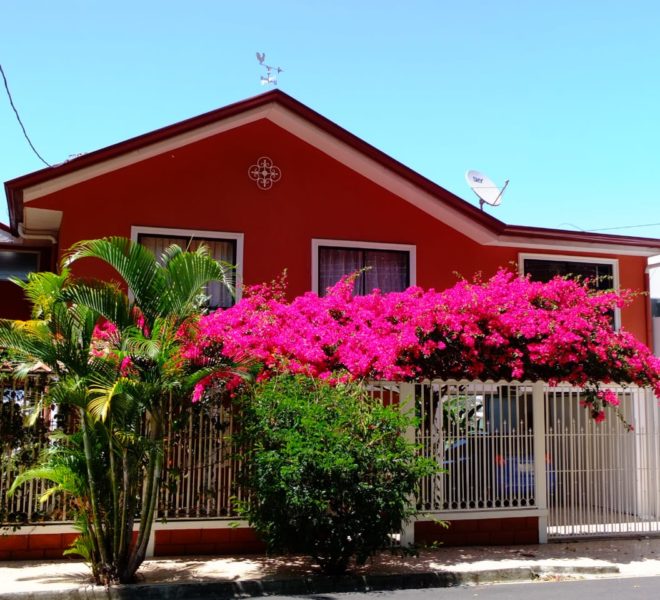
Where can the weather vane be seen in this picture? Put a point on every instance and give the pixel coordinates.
(271, 72)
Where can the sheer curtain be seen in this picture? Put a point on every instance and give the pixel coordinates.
(224, 250)
(334, 263)
(388, 270)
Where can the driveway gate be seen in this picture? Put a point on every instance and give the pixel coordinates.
(606, 477)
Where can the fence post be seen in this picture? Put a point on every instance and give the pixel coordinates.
(540, 482)
(407, 407)
(151, 544)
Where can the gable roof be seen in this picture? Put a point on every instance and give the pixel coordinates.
(335, 141)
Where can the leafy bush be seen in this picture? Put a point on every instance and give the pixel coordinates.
(328, 469)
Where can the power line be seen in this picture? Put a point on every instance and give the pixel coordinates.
(27, 137)
(609, 228)
(628, 227)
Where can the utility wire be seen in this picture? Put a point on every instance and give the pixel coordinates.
(628, 227)
(27, 137)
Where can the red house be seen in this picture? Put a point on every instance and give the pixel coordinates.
(269, 184)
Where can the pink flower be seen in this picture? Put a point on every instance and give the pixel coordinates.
(125, 366)
(198, 392)
(506, 327)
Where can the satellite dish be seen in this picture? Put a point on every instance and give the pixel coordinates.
(485, 189)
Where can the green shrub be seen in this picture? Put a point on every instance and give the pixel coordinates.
(327, 468)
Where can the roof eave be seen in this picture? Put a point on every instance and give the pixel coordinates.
(581, 236)
(14, 188)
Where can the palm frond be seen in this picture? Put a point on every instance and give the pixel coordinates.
(187, 274)
(64, 478)
(103, 298)
(42, 289)
(169, 253)
(136, 265)
(80, 547)
(139, 345)
(28, 341)
(102, 396)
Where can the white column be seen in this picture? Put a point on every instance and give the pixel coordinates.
(407, 407)
(538, 424)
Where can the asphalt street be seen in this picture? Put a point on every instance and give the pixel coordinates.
(638, 588)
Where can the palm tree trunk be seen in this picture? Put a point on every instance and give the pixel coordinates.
(115, 496)
(149, 499)
(98, 534)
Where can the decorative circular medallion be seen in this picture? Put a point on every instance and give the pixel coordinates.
(264, 173)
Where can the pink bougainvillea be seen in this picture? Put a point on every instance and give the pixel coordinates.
(506, 327)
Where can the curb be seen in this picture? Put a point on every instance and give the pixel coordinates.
(312, 584)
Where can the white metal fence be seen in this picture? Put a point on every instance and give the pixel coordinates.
(591, 479)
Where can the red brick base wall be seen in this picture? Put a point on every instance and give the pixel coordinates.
(184, 542)
(480, 532)
(35, 546)
(242, 540)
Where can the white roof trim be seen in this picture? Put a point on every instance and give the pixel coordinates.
(345, 154)
(569, 246)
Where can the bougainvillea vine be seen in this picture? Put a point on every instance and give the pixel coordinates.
(504, 328)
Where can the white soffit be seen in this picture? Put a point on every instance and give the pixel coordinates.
(343, 153)
(42, 220)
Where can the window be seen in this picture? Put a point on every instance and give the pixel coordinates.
(17, 264)
(544, 269)
(602, 272)
(227, 247)
(655, 307)
(387, 267)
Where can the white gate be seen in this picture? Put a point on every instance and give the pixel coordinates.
(602, 480)
(482, 434)
(512, 448)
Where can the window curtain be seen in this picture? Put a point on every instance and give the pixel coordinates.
(222, 250)
(334, 263)
(387, 270)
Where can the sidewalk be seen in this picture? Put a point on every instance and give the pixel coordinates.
(233, 577)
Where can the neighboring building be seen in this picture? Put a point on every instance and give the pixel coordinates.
(654, 291)
(273, 185)
(18, 257)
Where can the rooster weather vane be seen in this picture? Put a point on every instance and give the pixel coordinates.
(271, 72)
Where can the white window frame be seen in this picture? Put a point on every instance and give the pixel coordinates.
(358, 245)
(137, 230)
(578, 259)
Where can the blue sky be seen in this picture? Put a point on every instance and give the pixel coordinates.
(559, 97)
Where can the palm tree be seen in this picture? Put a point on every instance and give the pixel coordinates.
(121, 386)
